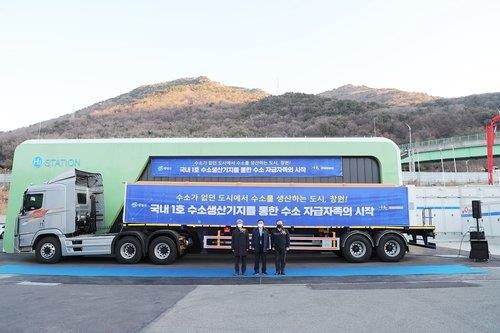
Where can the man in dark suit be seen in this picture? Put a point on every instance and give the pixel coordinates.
(239, 245)
(281, 244)
(260, 245)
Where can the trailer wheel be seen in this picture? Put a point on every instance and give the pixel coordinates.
(357, 248)
(391, 248)
(128, 250)
(48, 250)
(162, 251)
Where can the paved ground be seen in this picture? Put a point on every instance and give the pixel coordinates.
(332, 307)
(434, 291)
(34, 307)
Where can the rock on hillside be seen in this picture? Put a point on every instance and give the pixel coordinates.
(386, 96)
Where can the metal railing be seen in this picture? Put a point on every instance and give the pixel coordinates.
(462, 140)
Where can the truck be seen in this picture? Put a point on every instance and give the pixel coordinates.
(162, 198)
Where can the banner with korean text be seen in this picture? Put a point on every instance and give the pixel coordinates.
(246, 167)
(178, 203)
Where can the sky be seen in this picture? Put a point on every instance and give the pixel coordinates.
(57, 57)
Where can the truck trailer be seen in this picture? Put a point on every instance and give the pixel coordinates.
(160, 198)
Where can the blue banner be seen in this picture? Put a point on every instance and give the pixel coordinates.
(246, 167)
(177, 203)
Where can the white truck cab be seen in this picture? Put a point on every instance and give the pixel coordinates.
(66, 211)
(63, 218)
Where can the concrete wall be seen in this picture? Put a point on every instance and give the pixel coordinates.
(449, 208)
(447, 178)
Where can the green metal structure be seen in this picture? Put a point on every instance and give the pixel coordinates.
(462, 147)
(124, 160)
(447, 154)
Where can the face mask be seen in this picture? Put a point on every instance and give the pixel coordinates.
(239, 225)
(261, 226)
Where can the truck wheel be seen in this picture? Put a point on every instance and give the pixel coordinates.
(391, 248)
(128, 250)
(162, 251)
(357, 248)
(48, 250)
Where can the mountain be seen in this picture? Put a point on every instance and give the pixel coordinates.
(386, 96)
(199, 107)
(181, 93)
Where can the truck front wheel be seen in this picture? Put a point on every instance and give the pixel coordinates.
(48, 250)
(391, 248)
(128, 250)
(162, 251)
(357, 248)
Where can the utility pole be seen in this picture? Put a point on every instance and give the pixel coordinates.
(410, 152)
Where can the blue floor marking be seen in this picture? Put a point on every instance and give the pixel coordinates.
(224, 272)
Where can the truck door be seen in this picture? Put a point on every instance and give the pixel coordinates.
(31, 217)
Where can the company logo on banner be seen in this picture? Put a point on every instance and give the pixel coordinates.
(297, 206)
(246, 167)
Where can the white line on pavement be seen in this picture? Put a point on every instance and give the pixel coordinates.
(45, 284)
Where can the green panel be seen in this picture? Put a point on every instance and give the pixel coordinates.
(122, 160)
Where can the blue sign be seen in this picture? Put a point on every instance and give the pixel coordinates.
(246, 167)
(220, 205)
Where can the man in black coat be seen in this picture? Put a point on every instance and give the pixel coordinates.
(281, 244)
(239, 245)
(260, 245)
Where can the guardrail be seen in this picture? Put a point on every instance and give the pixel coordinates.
(461, 140)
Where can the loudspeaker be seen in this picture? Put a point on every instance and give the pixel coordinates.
(479, 250)
(476, 209)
